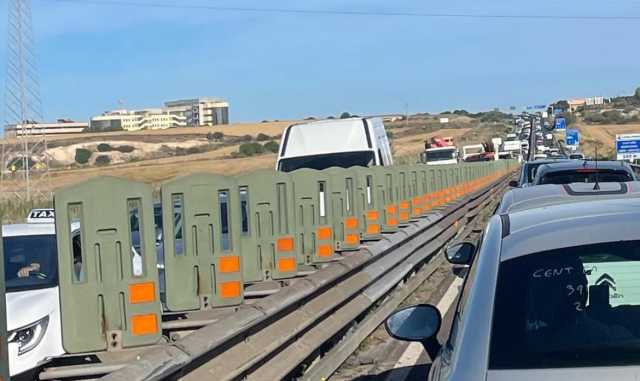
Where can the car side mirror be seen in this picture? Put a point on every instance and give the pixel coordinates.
(460, 253)
(419, 323)
(513, 183)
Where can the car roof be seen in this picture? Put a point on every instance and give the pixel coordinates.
(540, 196)
(578, 164)
(28, 229)
(569, 224)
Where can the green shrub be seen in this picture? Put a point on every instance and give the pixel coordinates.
(251, 149)
(82, 155)
(215, 136)
(125, 149)
(103, 160)
(263, 137)
(246, 138)
(104, 147)
(345, 115)
(271, 146)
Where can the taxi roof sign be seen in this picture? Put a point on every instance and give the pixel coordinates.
(41, 216)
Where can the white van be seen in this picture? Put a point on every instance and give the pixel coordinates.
(32, 292)
(334, 143)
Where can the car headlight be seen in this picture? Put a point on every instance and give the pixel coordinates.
(30, 336)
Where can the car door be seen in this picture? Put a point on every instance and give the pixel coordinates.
(442, 364)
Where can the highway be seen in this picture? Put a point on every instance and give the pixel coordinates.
(302, 314)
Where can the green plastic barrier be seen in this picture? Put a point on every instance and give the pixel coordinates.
(384, 181)
(4, 350)
(313, 216)
(268, 248)
(370, 204)
(202, 223)
(345, 209)
(109, 295)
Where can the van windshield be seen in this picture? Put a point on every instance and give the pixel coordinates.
(324, 161)
(30, 262)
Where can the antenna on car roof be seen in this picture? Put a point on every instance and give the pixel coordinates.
(596, 187)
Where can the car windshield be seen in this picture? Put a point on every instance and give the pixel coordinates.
(572, 307)
(586, 176)
(440, 155)
(341, 159)
(30, 262)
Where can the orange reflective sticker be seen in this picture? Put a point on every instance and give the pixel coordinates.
(351, 223)
(391, 209)
(325, 251)
(373, 229)
(372, 215)
(142, 293)
(324, 233)
(417, 211)
(229, 264)
(404, 216)
(286, 265)
(392, 222)
(229, 289)
(285, 244)
(144, 325)
(404, 204)
(352, 239)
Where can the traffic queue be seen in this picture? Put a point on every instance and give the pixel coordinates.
(551, 290)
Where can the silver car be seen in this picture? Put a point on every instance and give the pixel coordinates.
(553, 293)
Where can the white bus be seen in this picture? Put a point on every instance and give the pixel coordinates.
(334, 143)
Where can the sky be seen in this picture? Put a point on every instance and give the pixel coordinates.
(97, 57)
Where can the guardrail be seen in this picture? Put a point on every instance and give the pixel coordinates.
(220, 234)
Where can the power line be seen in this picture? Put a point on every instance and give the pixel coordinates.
(330, 12)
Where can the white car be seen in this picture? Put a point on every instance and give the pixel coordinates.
(32, 294)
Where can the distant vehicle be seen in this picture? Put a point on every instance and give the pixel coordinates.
(548, 136)
(438, 142)
(546, 290)
(472, 150)
(576, 156)
(440, 156)
(334, 143)
(574, 171)
(539, 156)
(32, 293)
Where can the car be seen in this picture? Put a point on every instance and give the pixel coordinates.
(576, 171)
(528, 172)
(32, 293)
(576, 156)
(551, 293)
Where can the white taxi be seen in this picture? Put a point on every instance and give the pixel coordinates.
(32, 292)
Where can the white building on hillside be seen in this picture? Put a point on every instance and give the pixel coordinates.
(136, 120)
(62, 126)
(200, 111)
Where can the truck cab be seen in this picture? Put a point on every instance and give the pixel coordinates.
(334, 143)
(32, 293)
(440, 156)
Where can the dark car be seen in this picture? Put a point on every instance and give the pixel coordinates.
(577, 171)
(528, 171)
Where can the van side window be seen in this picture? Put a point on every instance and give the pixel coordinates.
(75, 232)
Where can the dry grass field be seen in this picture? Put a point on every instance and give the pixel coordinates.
(603, 137)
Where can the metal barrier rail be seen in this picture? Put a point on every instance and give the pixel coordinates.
(269, 339)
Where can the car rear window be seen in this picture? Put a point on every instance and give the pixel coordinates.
(586, 176)
(573, 307)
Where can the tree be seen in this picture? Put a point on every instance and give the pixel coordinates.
(637, 94)
(250, 149)
(104, 147)
(345, 115)
(103, 160)
(82, 155)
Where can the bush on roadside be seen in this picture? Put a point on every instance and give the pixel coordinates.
(271, 146)
(82, 155)
(251, 149)
(263, 137)
(103, 160)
